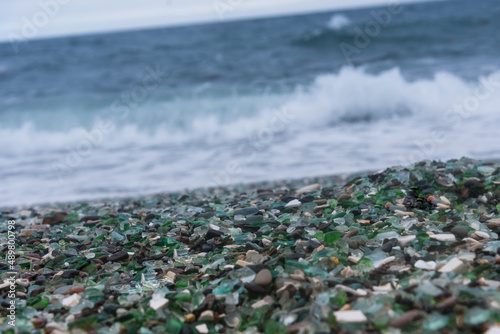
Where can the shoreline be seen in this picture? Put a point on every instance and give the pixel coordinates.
(336, 179)
(327, 180)
(410, 249)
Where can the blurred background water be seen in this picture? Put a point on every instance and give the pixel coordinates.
(138, 112)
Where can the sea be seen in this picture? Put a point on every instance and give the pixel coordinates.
(161, 110)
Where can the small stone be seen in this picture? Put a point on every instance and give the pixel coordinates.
(87, 218)
(242, 263)
(39, 322)
(454, 265)
(493, 330)
(55, 219)
(445, 200)
(429, 265)
(72, 273)
(312, 245)
(250, 211)
(406, 240)
(347, 272)
(202, 329)
(353, 244)
(257, 267)
(233, 320)
(207, 315)
(480, 235)
(54, 326)
(346, 307)
(293, 204)
(263, 278)
(298, 275)
(300, 328)
(444, 237)
(493, 223)
(349, 317)
(111, 308)
(253, 257)
(358, 292)
(308, 189)
(71, 301)
(355, 258)
(149, 216)
(189, 318)
(257, 289)
(40, 227)
(23, 282)
(266, 242)
(158, 303)
(27, 232)
(447, 303)
(205, 248)
(387, 247)
(171, 277)
(119, 256)
(213, 234)
(75, 289)
(121, 312)
(384, 288)
(268, 300)
(459, 232)
(351, 233)
(382, 262)
(404, 213)
(288, 287)
(343, 197)
(406, 318)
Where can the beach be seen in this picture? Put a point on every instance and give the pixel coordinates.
(134, 113)
(411, 249)
(293, 167)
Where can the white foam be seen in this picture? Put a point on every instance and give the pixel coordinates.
(344, 122)
(338, 21)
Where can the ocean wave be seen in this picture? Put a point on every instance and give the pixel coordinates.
(348, 121)
(350, 96)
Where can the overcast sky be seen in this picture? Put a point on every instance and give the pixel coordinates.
(27, 18)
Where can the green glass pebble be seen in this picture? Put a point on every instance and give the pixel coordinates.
(225, 287)
(144, 330)
(476, 316)
(83, 323)
(339, 298)
(271, 327)
(173, 326)
(435, 322)
(331, 237)
(117, 236)
(94, 295)
(182, 283)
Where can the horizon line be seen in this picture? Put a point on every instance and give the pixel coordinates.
(6, 39)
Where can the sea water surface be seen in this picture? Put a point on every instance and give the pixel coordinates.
(161, 110)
